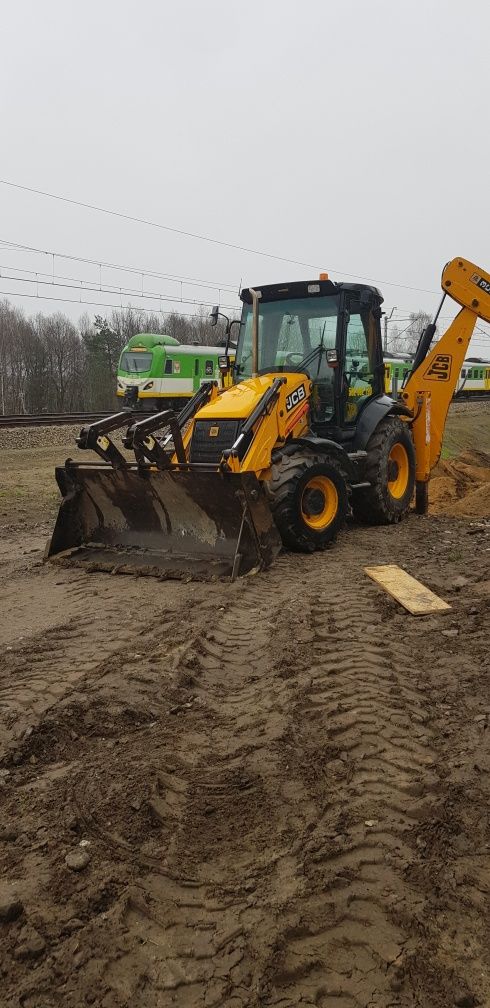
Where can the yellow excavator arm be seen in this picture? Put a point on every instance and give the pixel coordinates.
(434, 376)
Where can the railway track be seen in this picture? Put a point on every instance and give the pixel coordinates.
(485, 397)
(54, 419)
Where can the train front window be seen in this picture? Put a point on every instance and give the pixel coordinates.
(135, 363)
(291, 333)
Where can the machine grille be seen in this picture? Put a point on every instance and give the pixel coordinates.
(211, 437)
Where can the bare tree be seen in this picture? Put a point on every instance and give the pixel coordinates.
(64, 360)
(48, 363)
(15, 335)
(405, 341)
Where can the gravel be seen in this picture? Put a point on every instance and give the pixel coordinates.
(42, 437)
(38, 437)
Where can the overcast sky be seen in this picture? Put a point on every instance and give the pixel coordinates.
(349, 135)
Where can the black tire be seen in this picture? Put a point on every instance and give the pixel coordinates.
(288, 487)
(378, 505)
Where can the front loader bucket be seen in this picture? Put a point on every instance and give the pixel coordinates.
(176, 523)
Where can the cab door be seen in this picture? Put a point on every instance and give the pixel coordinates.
(363, 372)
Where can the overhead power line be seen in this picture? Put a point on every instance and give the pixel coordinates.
(153, 224)
(110, 289)
(100, 304)
(205, 238)
(140, 270)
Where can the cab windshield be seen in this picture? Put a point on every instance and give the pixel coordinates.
(291, 333)
(135, 362)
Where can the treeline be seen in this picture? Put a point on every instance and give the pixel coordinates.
(50, 364)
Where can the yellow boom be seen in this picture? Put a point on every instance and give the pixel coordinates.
(433, 380)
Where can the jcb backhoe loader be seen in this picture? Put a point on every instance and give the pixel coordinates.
(304, 436)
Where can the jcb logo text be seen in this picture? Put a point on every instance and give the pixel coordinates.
(440, 369)
(295, 398)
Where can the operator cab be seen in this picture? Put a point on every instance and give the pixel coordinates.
(328, 331)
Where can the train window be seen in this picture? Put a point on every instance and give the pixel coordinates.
(209, 368)
(168, 366)
(135, 361)
(196, 366)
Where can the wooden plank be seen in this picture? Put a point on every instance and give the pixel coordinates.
(413, 595)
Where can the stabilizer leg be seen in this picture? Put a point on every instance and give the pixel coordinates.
(421, 497)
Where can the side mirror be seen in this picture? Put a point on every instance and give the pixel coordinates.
(214, 315)
(332, 359)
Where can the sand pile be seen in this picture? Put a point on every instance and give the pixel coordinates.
(461, 486)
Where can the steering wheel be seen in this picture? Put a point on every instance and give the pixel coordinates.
(291, 359)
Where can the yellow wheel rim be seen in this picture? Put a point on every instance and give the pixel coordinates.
(399, 465)
(319, 502)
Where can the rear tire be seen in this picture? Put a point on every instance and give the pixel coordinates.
(308, 501)
(390, 470)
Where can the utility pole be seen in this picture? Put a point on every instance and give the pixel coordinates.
(385, 338)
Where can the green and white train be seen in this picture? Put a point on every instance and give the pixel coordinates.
(156, 371)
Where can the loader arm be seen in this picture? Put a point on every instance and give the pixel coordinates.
(433, 381)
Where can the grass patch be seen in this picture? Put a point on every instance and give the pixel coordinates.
(15, 491)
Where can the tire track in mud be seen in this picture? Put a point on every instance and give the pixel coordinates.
(266, 811)
(221, 828)
(282, 803)
(286, 805)
(40, 669)
(349, 941)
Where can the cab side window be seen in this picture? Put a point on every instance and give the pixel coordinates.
(360, 360)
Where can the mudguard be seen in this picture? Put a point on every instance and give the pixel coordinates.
(325, 446)
(370, 417)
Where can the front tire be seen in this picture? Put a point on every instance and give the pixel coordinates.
(308, 501)
(390, 470)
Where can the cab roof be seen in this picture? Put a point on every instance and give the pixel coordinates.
(307, 289)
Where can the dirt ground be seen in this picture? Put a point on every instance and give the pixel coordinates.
(272, 793)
